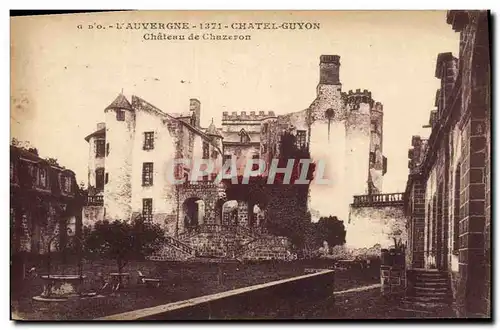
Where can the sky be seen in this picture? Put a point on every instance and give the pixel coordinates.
(63, 77)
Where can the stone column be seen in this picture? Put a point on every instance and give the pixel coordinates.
(243, 213)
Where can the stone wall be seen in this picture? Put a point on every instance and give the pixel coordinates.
(161, 191)
(456, 169)
(416, 224)
(268, 248)
(118, 189)
(375, 225)
(92, 214)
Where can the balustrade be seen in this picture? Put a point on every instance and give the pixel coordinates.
(378, 199)
(95, 200)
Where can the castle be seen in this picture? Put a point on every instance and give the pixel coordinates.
(130, 152)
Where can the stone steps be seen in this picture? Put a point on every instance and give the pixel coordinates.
(430, 293)
(426, 309)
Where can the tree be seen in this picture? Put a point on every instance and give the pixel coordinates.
(329, 229)
(122, 240)
(288, 213)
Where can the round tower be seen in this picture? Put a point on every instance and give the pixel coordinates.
(120, 122)
(357, 130)
(326, 138)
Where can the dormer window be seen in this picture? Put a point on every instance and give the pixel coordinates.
(244, 137)
(120, 115)
(66, 184)
(42, 180)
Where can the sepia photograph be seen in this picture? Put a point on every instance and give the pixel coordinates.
(250, 165)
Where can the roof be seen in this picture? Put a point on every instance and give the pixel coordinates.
(212, 130)
(32, 157)
(120, 102)
(99, 132)
(142, 104)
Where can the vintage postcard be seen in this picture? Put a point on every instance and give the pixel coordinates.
(230, 165)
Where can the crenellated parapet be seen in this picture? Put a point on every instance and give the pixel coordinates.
(243, 115)
(353, 99)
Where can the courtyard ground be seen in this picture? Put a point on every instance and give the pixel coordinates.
(182, 281)
(367, 304)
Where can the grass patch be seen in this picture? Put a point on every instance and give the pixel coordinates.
(181, 281)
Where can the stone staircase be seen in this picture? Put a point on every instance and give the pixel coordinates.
(222, 243)
(428, 294)
(173, 250)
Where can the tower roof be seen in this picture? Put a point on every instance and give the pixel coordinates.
(212, 130)
(120, 102)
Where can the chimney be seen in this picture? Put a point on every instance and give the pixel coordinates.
(329, 70)
(101, 126)
(195, 109)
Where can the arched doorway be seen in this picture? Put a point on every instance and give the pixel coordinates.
(194, 212)
(230, 213)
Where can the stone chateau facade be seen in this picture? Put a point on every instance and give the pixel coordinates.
(448, 191)
(131, 151)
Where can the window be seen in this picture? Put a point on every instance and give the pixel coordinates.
(149, 140)
(147, 174)
(205, 150)
(99, 148)
(265, 127)
(42, 178)
(67, 184)
(120, 115)
(107, 149)
(428, 242)
(147, 209)
(301, 139)
(372, 157)
(456, 211)
(384, 165)
(244, 138)
(264, 148)
(106, 178)
(99, 178)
